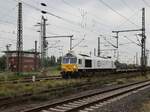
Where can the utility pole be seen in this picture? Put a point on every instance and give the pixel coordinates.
(35, 57)
(143, 49)
(147, 57)
(143, 56)
(71, 42)
(94, 51)
(136, 58)
(117, 55)
(98, 47)
(19, 39)
(43, 40)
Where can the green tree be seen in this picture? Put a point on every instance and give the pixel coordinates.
(59, 60)
(2, 63)
(53, 60)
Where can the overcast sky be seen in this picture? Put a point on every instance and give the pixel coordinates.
(86, 19)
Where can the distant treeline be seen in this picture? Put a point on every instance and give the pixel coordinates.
(2, 63)
(52, 61)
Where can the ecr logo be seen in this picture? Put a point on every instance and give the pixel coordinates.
(98, 63)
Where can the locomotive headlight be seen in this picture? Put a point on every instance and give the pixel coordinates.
(74, 67)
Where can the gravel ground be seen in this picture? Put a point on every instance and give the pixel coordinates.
(132, 103)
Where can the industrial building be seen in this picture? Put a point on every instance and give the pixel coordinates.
(30, 61)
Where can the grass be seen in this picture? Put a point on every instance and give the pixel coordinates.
(53, 71)
(8, 76)
(24, 88)
(36, 87)
(21, 88)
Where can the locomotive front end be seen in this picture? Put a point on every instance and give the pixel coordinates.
(69, 66)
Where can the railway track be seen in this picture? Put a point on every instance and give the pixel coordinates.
(6, 101)
(90, 102)
(29, 79)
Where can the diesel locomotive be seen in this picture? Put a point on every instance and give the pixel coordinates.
(78, 65)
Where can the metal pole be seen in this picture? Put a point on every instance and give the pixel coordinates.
(136, 58)
(117, 55)
(70, 43)
(98, 47)
(19, 39)
(94, 51)
(35, 57)
(117, 39)
(143, 56)
(43, 41)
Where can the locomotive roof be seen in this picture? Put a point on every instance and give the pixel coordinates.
(72, 54)
(91, 57)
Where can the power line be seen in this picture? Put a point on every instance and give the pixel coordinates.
(65, 11)
(8, 22)
(54, 15)
(146, 3)
(49, 13)
(59, 17)
(125, 3)
(132, 41)
(135, 13)
(62, 27)
(91, 13)
(101, 1)
(94, 17)
(7, 14)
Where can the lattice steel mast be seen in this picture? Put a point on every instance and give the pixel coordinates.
(19, 39)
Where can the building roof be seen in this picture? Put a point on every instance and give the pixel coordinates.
(28, 52)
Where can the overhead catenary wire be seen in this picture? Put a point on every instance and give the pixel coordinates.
(66, 28)
(146, 3)
(56, 16)
(132, 41)
(7, 14)
(96, 18)
(125, 3)
(134, 14)
(49, 13)
(108, 6)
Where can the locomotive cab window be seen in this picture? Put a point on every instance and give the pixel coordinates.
(69, 60)
(65, 60)
(73, 60)
(79, 61)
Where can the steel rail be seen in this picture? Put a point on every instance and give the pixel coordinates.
(81, 106)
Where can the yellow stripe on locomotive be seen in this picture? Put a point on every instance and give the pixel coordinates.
(69, 67)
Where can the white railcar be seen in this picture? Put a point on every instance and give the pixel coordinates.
(88, 62)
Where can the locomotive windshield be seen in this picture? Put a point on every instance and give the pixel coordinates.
(69, 59)
(73, 60)
(65, 60)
